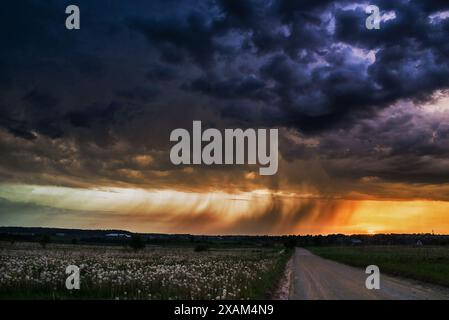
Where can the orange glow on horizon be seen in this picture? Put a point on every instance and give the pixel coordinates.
(256, 212)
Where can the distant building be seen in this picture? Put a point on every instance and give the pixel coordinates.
(118, 235)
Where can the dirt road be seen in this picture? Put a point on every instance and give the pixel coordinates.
(318, 278)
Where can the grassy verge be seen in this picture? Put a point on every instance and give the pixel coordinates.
(266, 286)
(430, 264)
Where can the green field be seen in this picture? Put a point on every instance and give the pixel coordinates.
(430, 264)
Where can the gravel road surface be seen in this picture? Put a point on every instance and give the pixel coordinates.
(318, 278)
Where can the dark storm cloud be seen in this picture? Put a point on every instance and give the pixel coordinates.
(192, 35)
(40, 100)
(88, 103)
(316, 81)
(239, 88)
(160, 72)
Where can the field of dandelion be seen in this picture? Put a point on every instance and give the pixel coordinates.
(29, 271)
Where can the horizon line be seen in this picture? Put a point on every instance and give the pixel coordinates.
(229, 235)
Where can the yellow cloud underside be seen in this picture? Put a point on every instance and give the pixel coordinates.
(256, 212)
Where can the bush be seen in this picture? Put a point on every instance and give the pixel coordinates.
(290, 243)
(44, 240)
(136, 242)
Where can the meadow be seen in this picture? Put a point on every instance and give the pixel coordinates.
(430, 264)
(28, 270)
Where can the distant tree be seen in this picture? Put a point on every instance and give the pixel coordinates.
(290, 243)
(44, 240)
(318, 240)
(136, 242)
(74, 241)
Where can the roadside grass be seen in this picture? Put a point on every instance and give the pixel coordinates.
(264, 287)
(430, 264)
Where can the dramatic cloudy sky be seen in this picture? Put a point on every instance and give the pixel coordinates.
(363, 115)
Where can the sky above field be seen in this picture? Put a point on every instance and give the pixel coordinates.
(363, 115)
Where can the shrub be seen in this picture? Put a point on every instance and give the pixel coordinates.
(44, 240)
(290, 243)
(136, 242)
